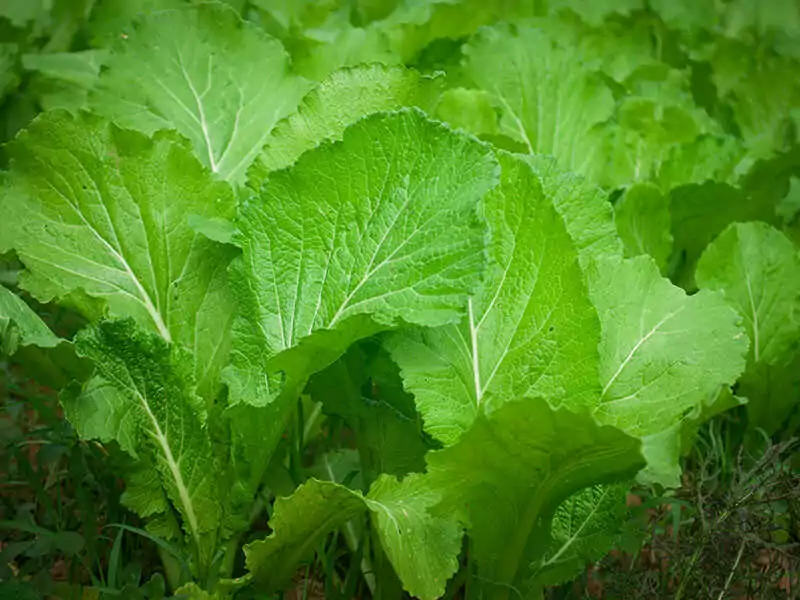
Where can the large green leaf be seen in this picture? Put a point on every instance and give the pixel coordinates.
(391, 235)
(104, 211)
(662, 351)
(143, 397)
(757, 269)
(507, 475)
(663, 354)
(219, 81)
(549, 100)
(344, 97)
(530, 328)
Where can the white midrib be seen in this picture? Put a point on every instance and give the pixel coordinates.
(756, 352)
(635, 349)
(473, 336)
(183, 492)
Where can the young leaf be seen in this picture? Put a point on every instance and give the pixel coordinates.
(643, 222)
(64, 79)
(530, 328)
(143, 397)
(299, 524)
(343, 98)
(94, 208)
(218, 80)
(423, 547)
(391, 234)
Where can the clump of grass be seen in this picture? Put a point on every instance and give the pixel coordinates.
(59, 506)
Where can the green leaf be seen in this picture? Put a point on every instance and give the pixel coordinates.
(789, 206)
(64, 79)
(523, 460)
(94, 208)
(585, 527)
(219, 81)
(343, 98)
(364, 388)
(587, 214)
(709, 157)
(422, 547)
(773, 393)
(757, 269)
(596, 11)
(548, 99)
(142, 395)
(299, 524)
(391, 236)
(20, 326)
(530, 329)
(662, 353)
(643, 223)
(471, 110)
(700, 213)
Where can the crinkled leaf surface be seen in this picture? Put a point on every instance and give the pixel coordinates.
(355, 237)
(94, 208)
(530, 328)
(584, 528)
(549, 101)
(343, 98)
(218, 80)
(643, 223)
(587, 214)
(142, 396)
